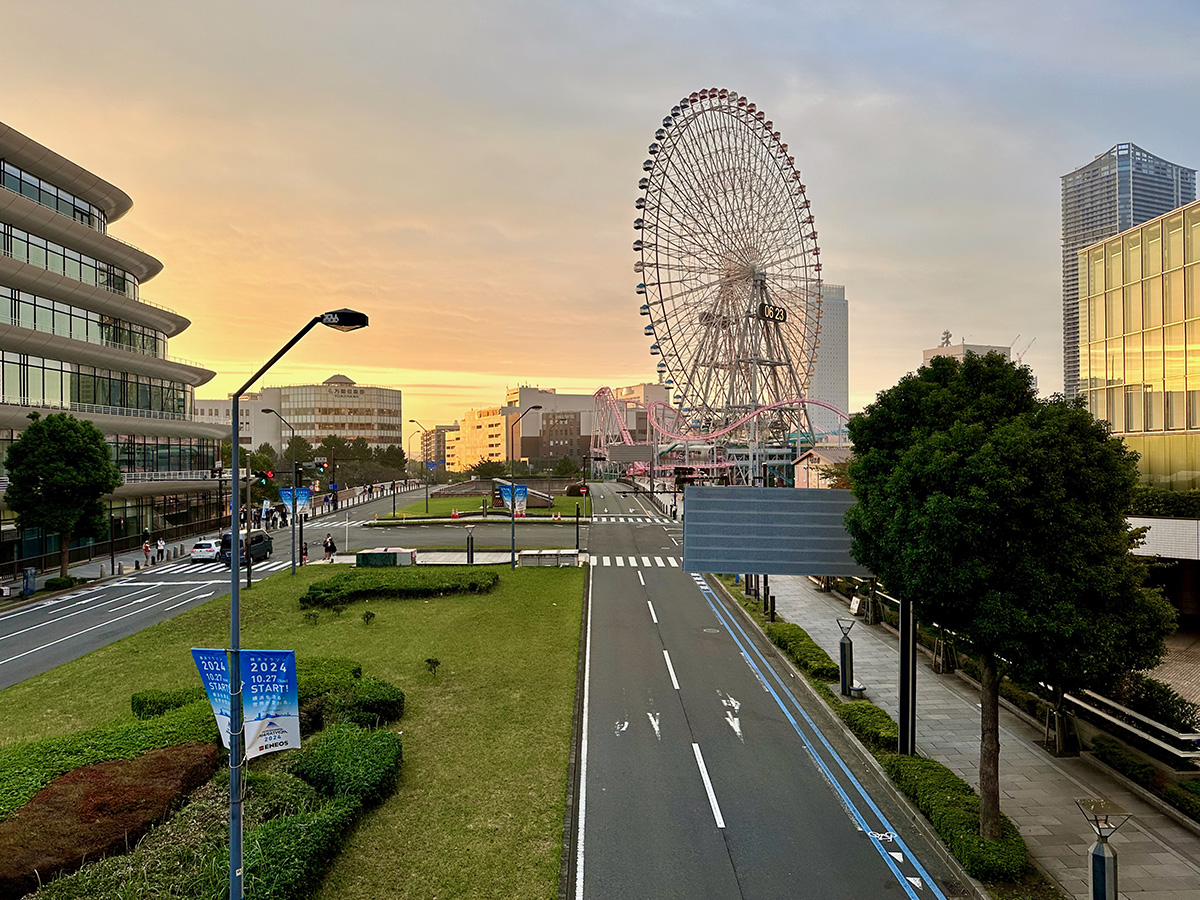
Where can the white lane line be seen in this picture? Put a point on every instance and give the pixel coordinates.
(671, 670)
(712, 798)
(620, 560)
(583, 749)
(640, 578)
(70, 615)
(131, 603)
(646, 561)
(205, 596)
(673, 561)
(653, 617)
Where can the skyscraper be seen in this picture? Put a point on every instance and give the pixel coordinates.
(1118, 189)
(830, 380)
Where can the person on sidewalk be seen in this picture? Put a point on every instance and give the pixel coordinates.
(146, 550)
(162, 550)
(329, 546)
(304, 554)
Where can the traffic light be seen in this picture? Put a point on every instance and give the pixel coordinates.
(264, 477)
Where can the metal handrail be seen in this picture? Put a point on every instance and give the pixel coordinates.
(115, 345)
(101, 231)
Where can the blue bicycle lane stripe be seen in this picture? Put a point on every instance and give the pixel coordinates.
(710, 597)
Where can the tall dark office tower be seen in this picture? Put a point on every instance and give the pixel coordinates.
(1118, 189)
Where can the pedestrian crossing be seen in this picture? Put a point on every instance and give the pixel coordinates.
(634, 562)
(210, 567)
(632, 520)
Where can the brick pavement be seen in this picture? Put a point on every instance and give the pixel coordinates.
(1159, 859)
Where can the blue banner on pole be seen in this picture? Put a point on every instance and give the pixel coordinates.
(214, 672)
(303, 497)
(431, 464)
(270, 701)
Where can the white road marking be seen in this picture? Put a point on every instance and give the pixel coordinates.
(712, 797)
(731, 710)
(620, 560)
(646, 561)
(653, 617)
(654, 717)
(640, 578)
(671, 670)
(658, 561)
(67, 616)
(620, 727)
(914, 881)
(674, 563)
(633, 562)
(203, 596)
(896, 855)
(583, 750)
(606, 560)
(131, 603)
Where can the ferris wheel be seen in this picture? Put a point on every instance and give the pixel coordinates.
(730, 268)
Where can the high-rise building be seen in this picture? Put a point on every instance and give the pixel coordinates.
(1139, 332)
(76, 336)
(1114, 192)
(830, 381)
(336, 406)
(433, 445)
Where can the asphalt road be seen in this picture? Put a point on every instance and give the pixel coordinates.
(702, 776)
(47, 633)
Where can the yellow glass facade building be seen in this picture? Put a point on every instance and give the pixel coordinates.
(1139, 348)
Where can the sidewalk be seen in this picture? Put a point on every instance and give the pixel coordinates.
(1159, 859)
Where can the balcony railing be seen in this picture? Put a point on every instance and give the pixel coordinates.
(9, 319)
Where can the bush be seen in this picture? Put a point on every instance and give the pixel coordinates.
(346, 761)
(367, 703)
(1185, 798)
(1156, 701)
(401, 583)
(796, 643)
(952, 807)
(61, 583)
(286, 857)
(870, 724)
(1157, 503)
(153, 703)
(26, 768)
(316, 675)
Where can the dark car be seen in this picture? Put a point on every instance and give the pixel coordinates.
(261, 546)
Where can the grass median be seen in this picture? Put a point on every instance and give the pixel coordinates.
(444, 507)
(479, 808)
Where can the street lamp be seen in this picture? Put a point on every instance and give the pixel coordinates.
(292, 443)
(1105, 817)
(512, 479)
(424, 461)
(341, 320)
(846, 651)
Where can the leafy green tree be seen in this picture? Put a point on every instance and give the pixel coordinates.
(268, 452)
(488, 468)
(392, 458)
(565, 468)
(58, 470)
(304, 450)
(1002, 518)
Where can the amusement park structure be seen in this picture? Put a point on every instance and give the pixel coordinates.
(731, 280)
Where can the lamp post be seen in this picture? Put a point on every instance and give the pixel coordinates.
(292, 443)
(1105, 817)
(846, 648)
(424, 461)
(512, 480)
(341, 320)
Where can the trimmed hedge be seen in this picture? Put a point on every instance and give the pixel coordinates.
(1185, 798)
(795, 642)
(952, 807)
(316, 675)
(1155, 700)
(346, 761)
(152, 703)
(1155, 503)
(287, 857)
(28, 767)
(401, 583)
(870, 724)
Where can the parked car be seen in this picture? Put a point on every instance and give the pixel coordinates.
(206, 550)
(260, 542)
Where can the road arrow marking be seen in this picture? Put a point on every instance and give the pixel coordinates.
(619, 727)
(731, 709)
(654, 717)
(898, 857)
(915, 882)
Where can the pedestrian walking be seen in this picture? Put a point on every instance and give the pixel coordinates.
(330, 547)
(304, 554)
(162, 550)
(146, 551)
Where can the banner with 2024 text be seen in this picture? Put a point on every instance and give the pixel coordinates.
(270, 700)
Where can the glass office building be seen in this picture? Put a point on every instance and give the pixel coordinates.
(1114, 192)
(77, 337)
(1139, 342)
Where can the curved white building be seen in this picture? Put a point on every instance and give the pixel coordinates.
(76, 336)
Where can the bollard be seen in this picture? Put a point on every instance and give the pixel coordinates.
(137, 565)
(120, 568)
(846, 652)
(102, 571)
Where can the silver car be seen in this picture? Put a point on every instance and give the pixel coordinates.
(206, 551)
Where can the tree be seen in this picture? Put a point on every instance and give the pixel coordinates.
(836, 475)
(487, 469)
(1002, 518)
(391, 458)
(565, 468)
(268, 452)
(58, 469)
(304, 450)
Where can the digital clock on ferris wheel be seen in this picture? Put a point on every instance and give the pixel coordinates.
(772, 313)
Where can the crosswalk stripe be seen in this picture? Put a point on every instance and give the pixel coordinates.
(672, 561)
(646, 561)
(633, 561)
(620, 561)
(606, 560)
(658, 561)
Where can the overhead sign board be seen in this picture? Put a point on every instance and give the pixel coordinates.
(767, 531)
(630, 453)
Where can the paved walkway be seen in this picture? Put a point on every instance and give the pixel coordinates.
(1159, 859)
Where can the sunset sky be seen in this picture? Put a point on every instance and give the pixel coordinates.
(465, 172)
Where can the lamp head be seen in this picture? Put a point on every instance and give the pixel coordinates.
(271, 411)
(345, 319)
(845, 624)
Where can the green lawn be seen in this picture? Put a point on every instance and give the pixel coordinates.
(479, 809)
(442, 507)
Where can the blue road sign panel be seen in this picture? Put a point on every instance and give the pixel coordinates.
(431, 464)
(767, 531)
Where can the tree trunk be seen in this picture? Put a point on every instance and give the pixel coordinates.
(64, 553)
(989, 749)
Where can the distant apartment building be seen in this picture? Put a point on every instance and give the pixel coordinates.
(336, 406)
(77, 336)
(1114, 192)
(1139, 342)
(961, 349)
(830, 382)
(433, 445)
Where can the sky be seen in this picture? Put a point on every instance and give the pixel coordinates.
(465, 173)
